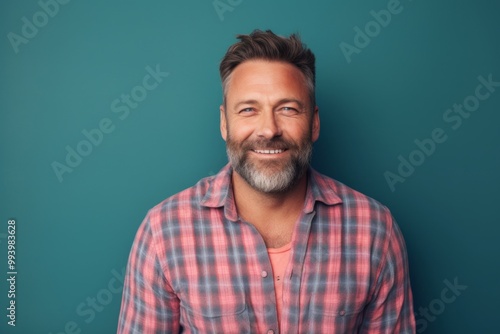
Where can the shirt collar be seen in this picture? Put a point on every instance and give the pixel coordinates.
(220, 192)
(320, 188)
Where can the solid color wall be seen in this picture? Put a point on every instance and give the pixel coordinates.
(109, 107)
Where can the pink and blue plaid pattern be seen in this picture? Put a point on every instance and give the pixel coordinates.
(195, 267)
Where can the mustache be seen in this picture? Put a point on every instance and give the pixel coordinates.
(269, 144)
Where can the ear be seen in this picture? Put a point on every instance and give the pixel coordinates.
(315, 124)
(223, 122)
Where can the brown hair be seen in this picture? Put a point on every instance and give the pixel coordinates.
(269, 46)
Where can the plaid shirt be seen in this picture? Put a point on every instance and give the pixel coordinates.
(196, 267)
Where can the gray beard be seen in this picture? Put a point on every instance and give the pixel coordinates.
(262, 178)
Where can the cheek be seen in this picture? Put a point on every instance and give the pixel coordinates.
(299, 131)
(239, 131)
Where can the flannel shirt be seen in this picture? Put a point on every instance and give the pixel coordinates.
(196, 267)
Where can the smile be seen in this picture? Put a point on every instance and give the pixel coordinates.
(269, 151)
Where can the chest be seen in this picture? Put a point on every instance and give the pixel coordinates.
(224, 280)
(275, 232)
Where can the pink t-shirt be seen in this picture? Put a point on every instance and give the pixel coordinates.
(279, 260)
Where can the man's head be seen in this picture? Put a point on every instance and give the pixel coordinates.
(269, 46)
(268, 118)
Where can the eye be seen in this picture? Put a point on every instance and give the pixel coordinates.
(289, 110)
(247, 110)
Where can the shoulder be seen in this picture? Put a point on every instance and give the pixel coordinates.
(349, 197)
(356, 209)
(187, 200)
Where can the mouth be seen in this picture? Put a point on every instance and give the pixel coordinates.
(270, 152)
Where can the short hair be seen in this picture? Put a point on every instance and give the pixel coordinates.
(266, 45)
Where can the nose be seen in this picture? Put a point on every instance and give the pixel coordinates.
(268, 125)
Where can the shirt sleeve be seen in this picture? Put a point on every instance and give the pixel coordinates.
(149, 304)
(391, 307)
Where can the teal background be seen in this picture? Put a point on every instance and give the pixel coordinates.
(74, 236)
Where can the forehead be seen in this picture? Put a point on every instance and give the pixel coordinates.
(266, 79)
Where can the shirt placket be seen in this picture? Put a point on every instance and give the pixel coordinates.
(293, 276)
(260, 281)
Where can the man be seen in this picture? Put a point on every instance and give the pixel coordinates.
(268, 244)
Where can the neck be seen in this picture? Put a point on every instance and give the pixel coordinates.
(270, 213)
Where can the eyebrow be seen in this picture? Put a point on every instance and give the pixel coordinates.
(237, 105)
(282, 101)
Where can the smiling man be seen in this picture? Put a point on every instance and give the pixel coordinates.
(268, 244)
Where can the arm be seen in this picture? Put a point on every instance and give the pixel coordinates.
(149, 305)
(391, 306)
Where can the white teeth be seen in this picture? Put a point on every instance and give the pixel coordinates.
(269, 151)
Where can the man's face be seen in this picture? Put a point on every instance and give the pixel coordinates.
(268, 124)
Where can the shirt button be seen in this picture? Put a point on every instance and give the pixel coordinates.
(342, 312)
(264, 274)
(270, 331)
